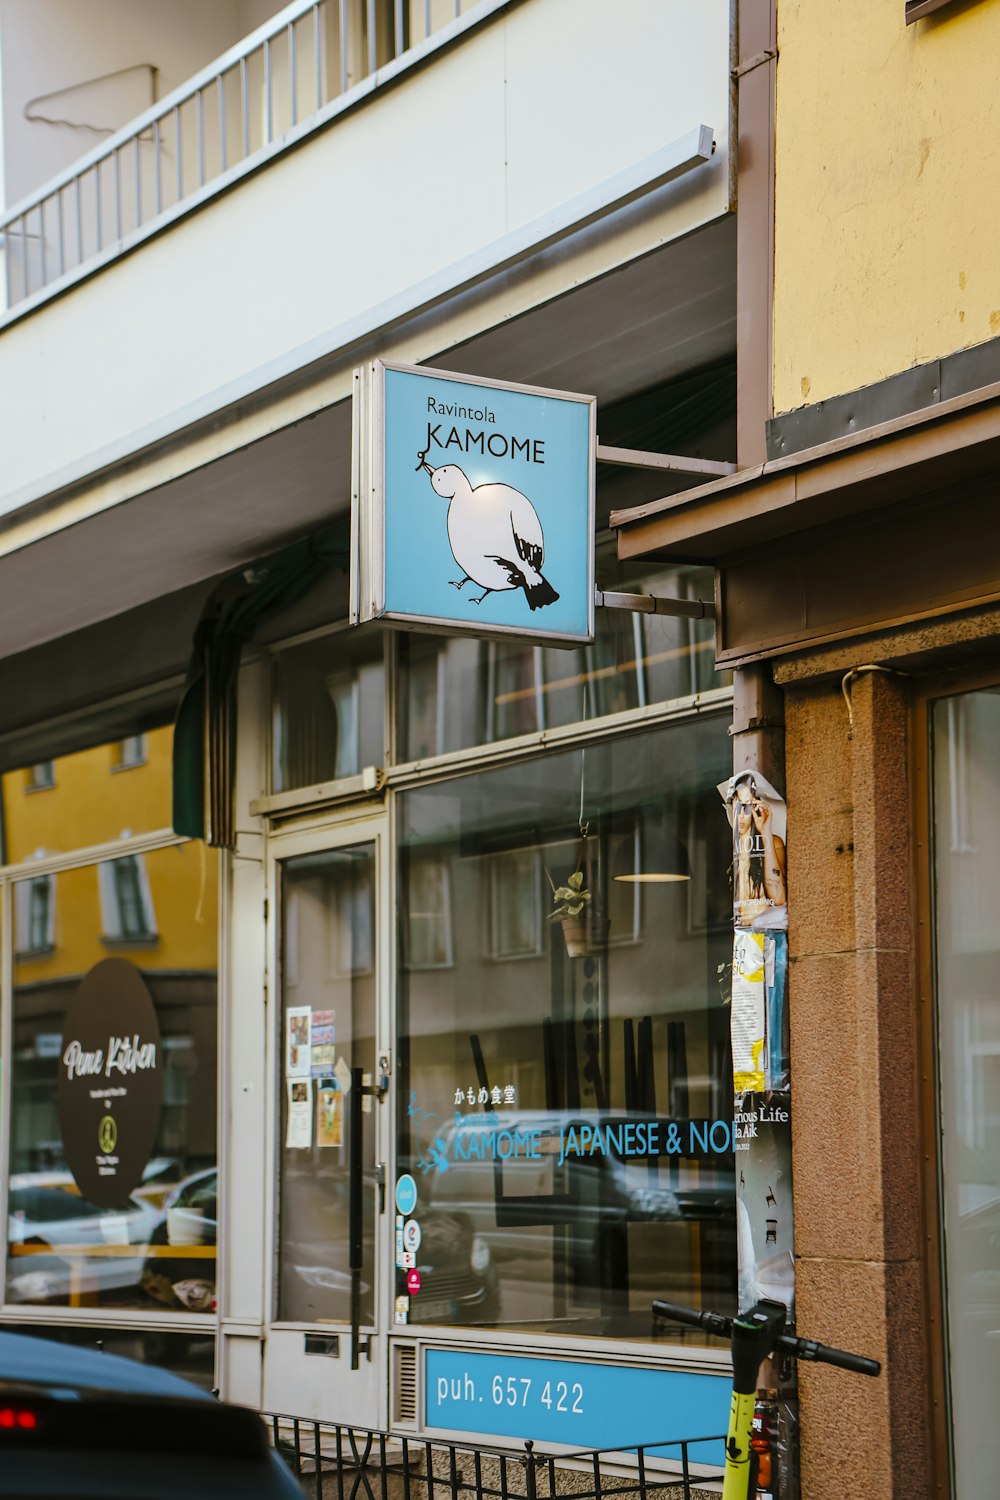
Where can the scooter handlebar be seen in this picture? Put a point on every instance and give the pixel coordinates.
(712, 1322)
(809, 1349)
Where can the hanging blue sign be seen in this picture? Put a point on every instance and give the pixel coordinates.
(473, 506)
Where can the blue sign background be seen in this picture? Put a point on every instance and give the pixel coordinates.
(616, 1406)
(419, 565)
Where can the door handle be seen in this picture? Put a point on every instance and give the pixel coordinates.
(355, 1213)
(380, 1184)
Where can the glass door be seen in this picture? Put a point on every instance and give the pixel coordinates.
(966, 871)
(326, 1344)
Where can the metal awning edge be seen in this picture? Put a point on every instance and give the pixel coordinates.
(880, 465)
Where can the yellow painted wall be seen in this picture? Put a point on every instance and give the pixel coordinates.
(91, 803)
(887, 191)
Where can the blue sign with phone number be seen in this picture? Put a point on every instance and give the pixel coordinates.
(577, 1403)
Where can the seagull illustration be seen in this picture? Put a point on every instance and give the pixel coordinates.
(495, 534)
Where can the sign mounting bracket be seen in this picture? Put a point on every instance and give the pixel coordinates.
(653, 604)
(667, 463)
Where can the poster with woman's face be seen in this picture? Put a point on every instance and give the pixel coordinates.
(757, 815)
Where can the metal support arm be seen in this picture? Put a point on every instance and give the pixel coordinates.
(651, 604)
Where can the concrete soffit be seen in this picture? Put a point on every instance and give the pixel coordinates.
(601, 229)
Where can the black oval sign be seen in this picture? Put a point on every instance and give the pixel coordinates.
(110, 1082)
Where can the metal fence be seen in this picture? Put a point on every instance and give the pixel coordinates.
(349, 1463)
(247, 103)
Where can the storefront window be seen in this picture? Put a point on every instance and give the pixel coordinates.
(112, 1185)
(328, 968)
(189, 1355)
(565, 1101)
(966, 827)
(455, 693)
(329, 710)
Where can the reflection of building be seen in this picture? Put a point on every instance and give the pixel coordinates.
(135, 903)
(93, 884)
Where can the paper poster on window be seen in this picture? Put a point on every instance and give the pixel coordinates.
(322, 1037)
(298, 1041)
(748, 1010)
(299, 1131)
(329, 1113)
(757, 816)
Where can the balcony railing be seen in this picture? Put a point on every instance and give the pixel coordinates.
(312, 60)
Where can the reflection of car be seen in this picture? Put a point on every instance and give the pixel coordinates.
(48, 1220)
(458, 1281)
(554, 1178)
(82, 1423)
(190, 1218)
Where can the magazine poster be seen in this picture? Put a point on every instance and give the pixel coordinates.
(299, 1130)
(298, 1041)
(758, 817)
(765, 1245)
(323, 1035)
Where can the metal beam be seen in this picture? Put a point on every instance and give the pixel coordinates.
(637, 458)
(652, 604)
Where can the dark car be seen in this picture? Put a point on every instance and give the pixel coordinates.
(75, 1423)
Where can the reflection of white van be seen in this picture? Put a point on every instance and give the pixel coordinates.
(512, 1195)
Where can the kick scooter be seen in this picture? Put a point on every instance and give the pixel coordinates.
(754, 1336)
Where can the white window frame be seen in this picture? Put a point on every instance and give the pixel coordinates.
(129, 753)
(113, 934)
(24, 892)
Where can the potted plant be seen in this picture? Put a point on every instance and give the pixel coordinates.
(571, 901)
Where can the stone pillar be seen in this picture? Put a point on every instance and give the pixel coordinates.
(860, 1265)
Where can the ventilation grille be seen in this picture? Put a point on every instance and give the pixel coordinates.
(404, 1383)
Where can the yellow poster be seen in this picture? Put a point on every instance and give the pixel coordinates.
(329, 1114)
(748, 1011)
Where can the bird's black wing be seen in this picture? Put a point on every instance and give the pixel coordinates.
(515, 578)
(529, 552)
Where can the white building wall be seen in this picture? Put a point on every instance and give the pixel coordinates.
(68, 47)
(549, 100)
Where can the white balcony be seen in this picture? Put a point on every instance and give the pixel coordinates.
(263, 226)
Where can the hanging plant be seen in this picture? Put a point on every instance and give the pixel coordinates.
(570, 899)
(570, 910)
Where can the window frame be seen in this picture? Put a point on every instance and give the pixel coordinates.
(25, 948)
(42, 1315)
(928, 1120)
(115, 932)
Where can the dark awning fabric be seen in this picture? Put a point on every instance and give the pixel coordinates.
(204, 756)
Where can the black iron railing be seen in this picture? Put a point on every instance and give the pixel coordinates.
(350, 1463)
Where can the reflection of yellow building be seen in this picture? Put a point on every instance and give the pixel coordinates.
(134, 892)
(157, 906)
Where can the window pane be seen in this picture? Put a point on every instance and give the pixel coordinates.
(327, 1026)
(329, 709)
(967, 873)
(189, 1355)
(566, 1089)
(150, 1242)
(456, 693)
